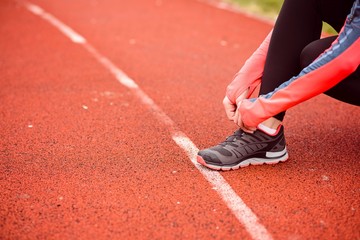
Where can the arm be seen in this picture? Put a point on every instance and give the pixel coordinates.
(335, 64)
(249, 76)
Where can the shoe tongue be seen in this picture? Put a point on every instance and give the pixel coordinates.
(238, 132)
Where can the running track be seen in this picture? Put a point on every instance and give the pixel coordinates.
(84, 156)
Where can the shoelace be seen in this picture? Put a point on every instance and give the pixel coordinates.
(237, 133)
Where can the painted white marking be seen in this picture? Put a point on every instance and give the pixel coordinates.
(219, 184)
(75, 37)
(118, 74)
(242, 212)
(34, 9)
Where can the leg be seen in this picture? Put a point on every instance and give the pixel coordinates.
(292, 32)
(299, 23)
(347, 90)
(334, 12)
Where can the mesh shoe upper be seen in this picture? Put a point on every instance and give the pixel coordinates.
(241, 146)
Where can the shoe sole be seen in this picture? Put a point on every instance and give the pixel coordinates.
(245, 163)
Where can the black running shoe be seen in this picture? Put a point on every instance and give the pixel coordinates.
(242, 149)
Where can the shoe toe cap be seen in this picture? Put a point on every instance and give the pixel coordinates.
(209, 157)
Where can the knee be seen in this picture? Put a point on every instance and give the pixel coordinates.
(308, 55)
(314, 49)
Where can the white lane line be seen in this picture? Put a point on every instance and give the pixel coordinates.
(76, 38)
(242, 212)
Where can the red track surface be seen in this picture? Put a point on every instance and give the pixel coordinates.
(82, 158)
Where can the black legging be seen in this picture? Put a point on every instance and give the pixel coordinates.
(296, 42)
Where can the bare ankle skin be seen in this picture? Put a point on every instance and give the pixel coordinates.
(272, 123)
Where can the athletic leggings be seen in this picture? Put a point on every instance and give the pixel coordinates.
(296, 42)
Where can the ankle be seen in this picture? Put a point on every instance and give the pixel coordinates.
(271, 126)
(272, 123)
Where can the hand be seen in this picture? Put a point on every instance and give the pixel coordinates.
(233, 113)
(230, 108)
(238, 121)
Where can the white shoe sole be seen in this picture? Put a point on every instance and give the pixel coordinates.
(245, 163)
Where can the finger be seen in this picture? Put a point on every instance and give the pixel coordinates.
(241, 124)
(229, 109)
(241, 97)
(244, 127)
(247, 128)
(230, 114)
(236, 117)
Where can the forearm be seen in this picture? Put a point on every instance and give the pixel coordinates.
(249, 76)
(330, 68)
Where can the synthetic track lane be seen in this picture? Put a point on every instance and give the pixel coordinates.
(235, 204)
(195, 44)
(287, 208)
(81, 173)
